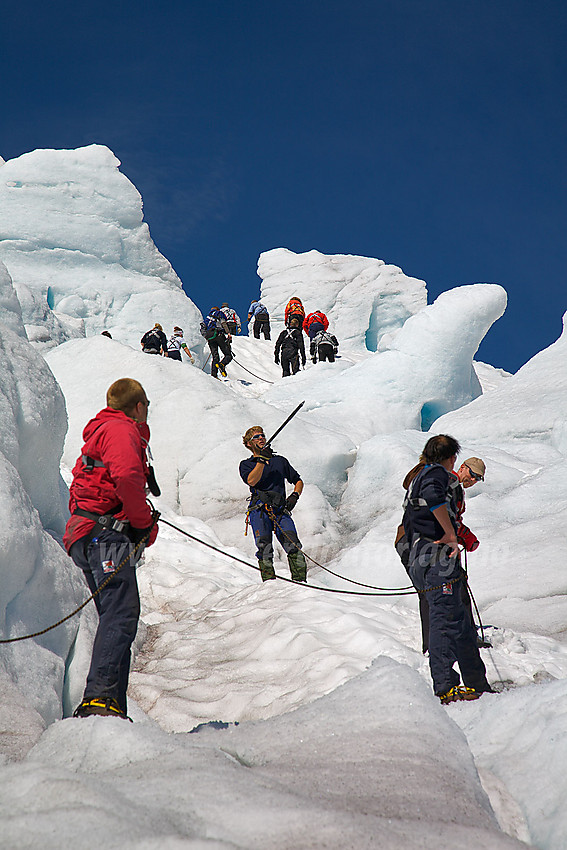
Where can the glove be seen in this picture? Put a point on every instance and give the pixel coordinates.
(291, 501)
(277, 360)
(137, 534)
(469, 540)
(265, 454)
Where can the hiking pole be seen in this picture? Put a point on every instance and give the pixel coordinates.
(282, 426)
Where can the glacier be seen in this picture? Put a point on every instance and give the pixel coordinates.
(331, 733)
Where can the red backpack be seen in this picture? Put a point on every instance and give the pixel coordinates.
(294, 308)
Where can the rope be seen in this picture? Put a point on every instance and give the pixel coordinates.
(86, 602)
(337, 575)
(480, 624)
(234, 360)
(283, 578)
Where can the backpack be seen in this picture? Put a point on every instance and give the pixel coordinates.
(294, 308)
(210, 328)
(152, 339)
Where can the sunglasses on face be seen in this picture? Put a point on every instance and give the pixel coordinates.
(257, 437)
(474, 474)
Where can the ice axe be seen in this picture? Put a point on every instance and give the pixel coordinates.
(282, 426)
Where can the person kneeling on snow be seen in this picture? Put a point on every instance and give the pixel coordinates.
(110, 524)
(434, 567)
(269, 510)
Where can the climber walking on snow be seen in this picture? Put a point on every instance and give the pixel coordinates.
(269, 510)
(294, 308)
(176, 345)
(259, 313)
(232, 319)
(314, 323)
(154, 341)
(289, 347)
(323, 347)
(215, 330)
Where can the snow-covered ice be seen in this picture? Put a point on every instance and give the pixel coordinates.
(329, 734)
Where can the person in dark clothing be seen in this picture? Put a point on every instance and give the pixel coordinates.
(154, 341)
(215, 330)
(259, 313)
(323, 346)
(470, 471)
(269, 510)
(110, 518)
(289, 347)
(434, 567)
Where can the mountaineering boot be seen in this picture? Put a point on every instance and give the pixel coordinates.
(222, 370)
(297, 566)
(104, 706)
(458, 693)
(267, 570)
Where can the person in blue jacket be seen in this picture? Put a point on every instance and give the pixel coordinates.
(259, 313)
(269, 510)
(430, 524)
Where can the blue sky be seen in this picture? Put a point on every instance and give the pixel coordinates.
(428, 133)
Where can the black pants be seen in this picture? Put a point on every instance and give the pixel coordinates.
(290, 362)
(326, 352)
(403, 551)
(224, 345)
(452, 636)
(118, 606)
(261, 323)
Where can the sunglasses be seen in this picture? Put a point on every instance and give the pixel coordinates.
(474, 475)
(258, 436)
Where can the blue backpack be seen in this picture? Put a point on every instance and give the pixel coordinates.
(210, 326)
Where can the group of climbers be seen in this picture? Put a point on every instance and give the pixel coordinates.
(111, 522)
(290, 345)
(221, 324)
(155, 341)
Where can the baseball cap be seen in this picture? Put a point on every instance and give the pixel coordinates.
(476, 465)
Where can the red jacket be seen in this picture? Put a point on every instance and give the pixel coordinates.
(120, 444)
(315, 317)
(294, 308)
